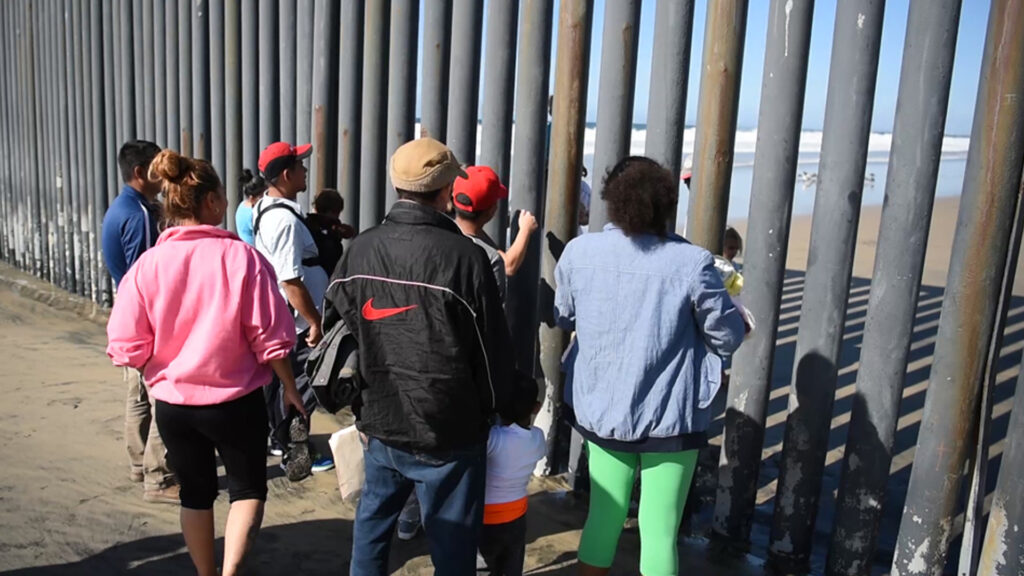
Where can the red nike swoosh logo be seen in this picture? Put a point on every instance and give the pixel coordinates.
(371, 313)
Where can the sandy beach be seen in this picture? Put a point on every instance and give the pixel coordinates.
(69, 507)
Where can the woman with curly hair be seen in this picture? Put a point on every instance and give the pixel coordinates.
(200, 314)
(652, 322)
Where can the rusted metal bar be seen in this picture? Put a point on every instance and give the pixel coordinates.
(350, 102)
(172, 70)
(666, 109)
(287, 27)
(201, 79)
(437, 38)
(374, 123)
(401, 79)
(848, 107)
(775, 164)
(232, 106)
(464, 76)
(717, 108)
(561, 207)
(159, 73)
(323, 70)
(980, 245)
(896, 281)
(185, 119)
(614, 97)
(499, 89)
(528, 169)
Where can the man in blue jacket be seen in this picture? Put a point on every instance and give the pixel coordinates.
(129, 229)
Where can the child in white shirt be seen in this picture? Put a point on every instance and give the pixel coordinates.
(513, 450)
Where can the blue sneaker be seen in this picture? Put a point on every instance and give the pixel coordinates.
(322, 464)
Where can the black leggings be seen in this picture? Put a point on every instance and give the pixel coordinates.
(237, 430)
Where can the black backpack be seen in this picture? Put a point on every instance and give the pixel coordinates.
(328, 250)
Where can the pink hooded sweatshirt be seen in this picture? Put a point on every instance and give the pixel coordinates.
(200, 313)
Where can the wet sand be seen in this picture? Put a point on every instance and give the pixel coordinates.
(69, 508)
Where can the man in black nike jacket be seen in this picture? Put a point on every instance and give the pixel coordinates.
(436, 361)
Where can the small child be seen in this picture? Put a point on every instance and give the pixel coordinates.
(731, 278)
(513, 450)
(326, 221)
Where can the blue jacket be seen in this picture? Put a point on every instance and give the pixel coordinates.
(652, 321)
(129, 229)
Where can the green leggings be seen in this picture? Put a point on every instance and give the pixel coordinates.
(665, 481)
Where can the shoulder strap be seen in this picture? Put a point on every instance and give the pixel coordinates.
(259, 216)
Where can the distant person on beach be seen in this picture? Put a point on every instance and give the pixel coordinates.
(200, 313)
(513, 450)
(129, 229)
(287, 243)
(253, 188)
(659, 304)
(435, 356)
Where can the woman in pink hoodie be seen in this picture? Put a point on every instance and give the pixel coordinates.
(200, 314)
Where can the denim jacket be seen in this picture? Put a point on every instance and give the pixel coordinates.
(652, 321)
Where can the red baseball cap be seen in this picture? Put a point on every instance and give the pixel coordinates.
(279, 156)
(479, 190)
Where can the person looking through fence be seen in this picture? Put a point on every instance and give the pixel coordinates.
(326, 224)
(129, 229)
(652, 321)
(200, 313)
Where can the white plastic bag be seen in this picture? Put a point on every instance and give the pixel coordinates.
(347, 449)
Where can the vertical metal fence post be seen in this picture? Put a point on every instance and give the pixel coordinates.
(250, 87)
(323, 70)
(79, 163)
(216, 103)
(185, 75)
(99, 182)
(910, 191)
(372, 161)
(561, 207)
(528, 170)
(614, 97)
(54, 134)
(775, 164)
(172, 71)
(1003, 551)
(268, 72)
(717, 108)
(464, 79)
(666, 109)
(159, 73)
(201, 79)
(303, 81)
(110, 93)
(128, 77)
(232, 106)
(848, 107)
(991, 187)
(148, 95)
(437, 37)
(65, 102)
(401, 79)
(499, 89)
(35, 192)
(286, 55)
(350, 88)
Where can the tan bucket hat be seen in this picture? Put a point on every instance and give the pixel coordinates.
(424, 165)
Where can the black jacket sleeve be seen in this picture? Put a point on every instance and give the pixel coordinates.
(497, 340)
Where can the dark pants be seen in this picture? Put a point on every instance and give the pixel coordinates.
(273, 393)
(195, 435)
(503, 547)
(451, 494)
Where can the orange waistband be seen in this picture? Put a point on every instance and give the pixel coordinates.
(505, 512)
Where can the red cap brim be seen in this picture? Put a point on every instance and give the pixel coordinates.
(303, 151)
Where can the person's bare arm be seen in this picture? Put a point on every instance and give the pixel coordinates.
(298, 296)
(516, 254)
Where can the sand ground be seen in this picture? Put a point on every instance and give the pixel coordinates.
(67, 506)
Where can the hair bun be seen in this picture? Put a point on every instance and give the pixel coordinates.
(170, 167)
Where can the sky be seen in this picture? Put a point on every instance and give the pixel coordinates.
(966, 69)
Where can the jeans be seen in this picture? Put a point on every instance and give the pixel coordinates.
(146, 452)
(450, 489)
